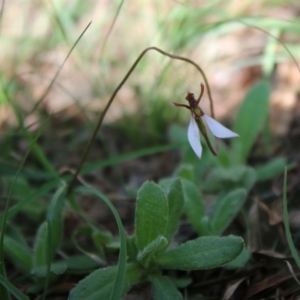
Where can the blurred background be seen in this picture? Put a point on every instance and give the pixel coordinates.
(236, 44)
(232, 41)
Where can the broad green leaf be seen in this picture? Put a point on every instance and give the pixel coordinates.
(41, 246)
(56, 268)
(15, 233)
(230, 174)
(55, 220)
(202, 253)
(226, 209)
(271, 169)
(81, 263)
(230, 178)
(249, 179)
(252, 116)
(144, 256)
(240, 260)
(50, 233)
(19, 254)
(181, 282)
(164, 288)
(193, 206)
(99, 284)
(175, 203)
(10, 287)
(151, 216)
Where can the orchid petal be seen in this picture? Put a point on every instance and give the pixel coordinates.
(217, 129)
(194, 137)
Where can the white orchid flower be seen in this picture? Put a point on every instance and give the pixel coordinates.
(199, 122)
(217, 129)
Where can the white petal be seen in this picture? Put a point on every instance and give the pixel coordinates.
(194, 137)
(217, 129)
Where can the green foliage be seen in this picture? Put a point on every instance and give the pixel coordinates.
(271, 169)
(202, 253)
(10, 287)
(48, 238)
(119, 272)
(146, 255)
(240, 260)
(193, 206)
(208, 194)
(164, 288)
(230, 178)
(151, 217)
(175, 207)
(19, 253)
(157, 218)
(100, 283)
(255, 104)
(225, 210)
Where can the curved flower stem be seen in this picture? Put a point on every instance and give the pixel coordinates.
(99, 123)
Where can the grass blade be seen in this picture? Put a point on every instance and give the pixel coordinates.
(10, 287)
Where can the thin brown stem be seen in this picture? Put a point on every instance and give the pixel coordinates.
(182, 105)
(99, 123)
(201, 92)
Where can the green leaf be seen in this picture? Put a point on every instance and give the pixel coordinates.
(81, 263)
(99, 284)
(101, 238)
(165, 184)
(19, 254)
(56, 268)
(186, 171)
(151, 216)
(226, 209)
(251, 118)
(240, 260)
(144, 256)
(175, 203)
(15, 233)
(271, 169)
(40, 246)
(10, 287)
(55, 220)
(193, 206)
(249, 179)
(50, 233)
(164, 288)
(230, 178)
(202, 253)
(132, 250)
